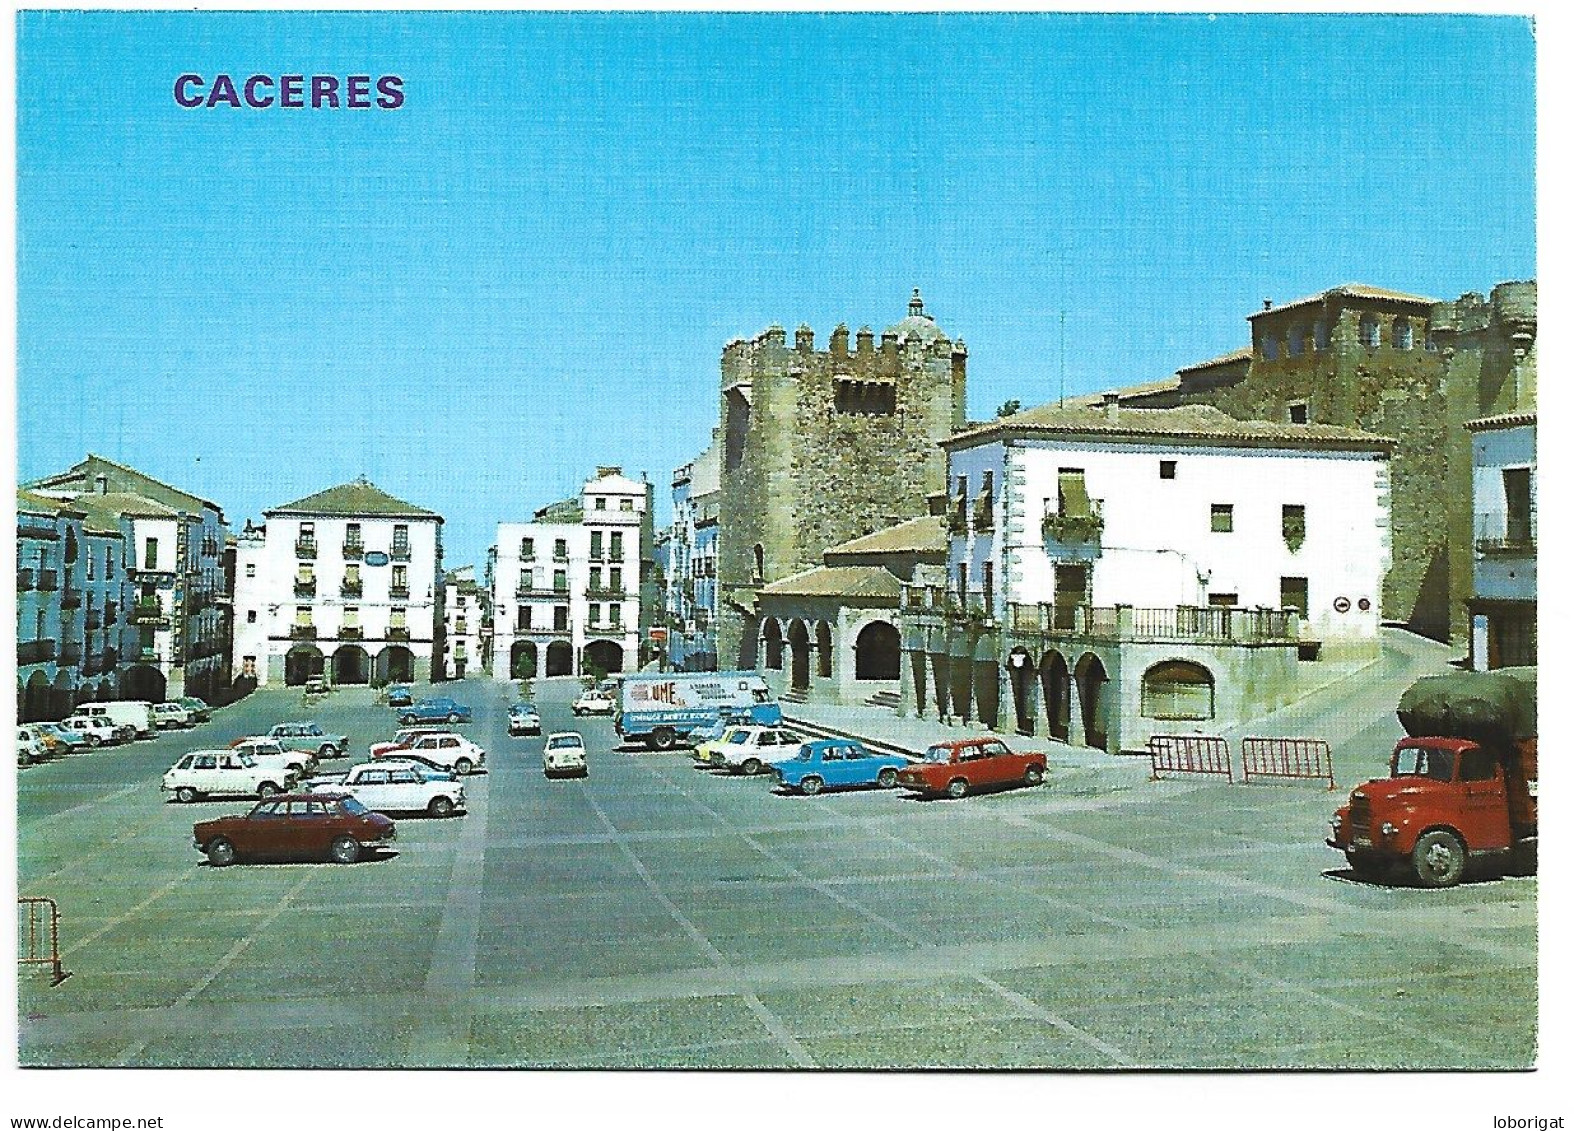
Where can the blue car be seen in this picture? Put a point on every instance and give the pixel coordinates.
(438, 710)
(399, 695)
(835, 762)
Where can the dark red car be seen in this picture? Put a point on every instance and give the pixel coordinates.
(961, 767)
(318, 826)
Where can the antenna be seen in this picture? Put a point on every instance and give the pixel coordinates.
(1062, 326)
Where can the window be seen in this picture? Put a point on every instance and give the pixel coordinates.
(396, 617)
(1404, 337)
(1298, 412)
(560, 549)
(1296, 341)
(527, 549)
(1370, 334)
(109, 564)
(989, 585)
(150, 554)
(759, 562)
(352, 616)
(617, 545)
(626, 505)
(601, 503)
(617, 581)
(615, 615)
(401, 578)
(595, 546)
(595, 580)
(251, 569)
(303, 614)
(352, 534)
(560, 581)
(1270, 348)
(595, 614)
(1166, 469)
(560, 618)
(1517, 505)
(1177, 690)
(1223, 518)
(401, 535)
(1292, 522)
(524, 616)
(251, 616)
(1074, 501)
(1292, 594)
(961, 579)
(1223, 600)
(1320, 334)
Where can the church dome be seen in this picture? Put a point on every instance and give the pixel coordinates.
(917, 326)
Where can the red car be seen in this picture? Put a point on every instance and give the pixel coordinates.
(318, 826)
(958, 768)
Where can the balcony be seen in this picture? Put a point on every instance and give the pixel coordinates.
(541, 630)
(48, 581)
(984, 514)
(1183, 623)
(1518, 540)
(24, 580)
(70, 598)
(148, 655)
(306, 588)
(399, 592)
(614, 518)
(34, 652)
(306, 548)
(398, 632)
(615, 555)
(149, 611)
(354, 551)
(400, 552)
(1076, 525)
(303, 632)
(351, 588)
(70, 654)
(351, 632)
(607, 593)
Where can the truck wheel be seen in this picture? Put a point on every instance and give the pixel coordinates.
(407, 720)
(811, 786)
(185, 795)
(1438, 859)
(957, 788)
(221, 853)
(1365, 866)
(345, 850)
(662, 738)
(93, 740)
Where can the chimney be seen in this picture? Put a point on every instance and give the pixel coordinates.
(1267, 304)
(1111, 405)
(101, 482)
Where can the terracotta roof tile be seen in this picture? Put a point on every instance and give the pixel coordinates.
(358, 498)
(1188, 422)
(853, 582)
(917, 535)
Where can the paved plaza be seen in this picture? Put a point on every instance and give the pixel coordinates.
(658, 915)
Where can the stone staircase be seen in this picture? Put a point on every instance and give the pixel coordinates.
(793, 695)
(890, 700)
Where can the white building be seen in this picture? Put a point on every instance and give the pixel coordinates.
(1181, 557)
(573, 591)
(345, 584)
(1503, 605)
(691, 563)
(49, 619)
(465, 618)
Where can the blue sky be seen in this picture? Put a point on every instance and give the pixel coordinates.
(532, 266)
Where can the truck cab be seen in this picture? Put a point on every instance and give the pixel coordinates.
(1446, 801)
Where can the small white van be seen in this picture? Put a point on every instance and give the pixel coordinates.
(135, 713)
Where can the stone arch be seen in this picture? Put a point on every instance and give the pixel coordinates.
(351, 664)
(877, 652)
(1023, 676)
(1054, 680)
(798, 643)
(394, 664)
(605, 654)
(824, 645)
(62, 696)
(1091, 680)
(771, 634)
(32, 699)
(560, 658)
(1177, 689)
(301, 663)
(522, 659)
(143, 681)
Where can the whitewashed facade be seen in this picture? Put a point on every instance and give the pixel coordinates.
(465, 618)
(345, 584)
(1503, 604)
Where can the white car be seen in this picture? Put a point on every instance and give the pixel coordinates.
(271, 752)
(595, 703)
(97, 730)
(447, 749)
(29, 747)
(750, 750)
(564, 756)
(169, 716)
(204, 772)
(389, 787)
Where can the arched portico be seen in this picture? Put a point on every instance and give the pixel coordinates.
(1023, 676)
(522, 659)
(395, 664)
(351, 665)
(605, 654)
(1091, 678)
(771, 636)
(798, 642)
(877, 652)
(560, 658)
(301, 663)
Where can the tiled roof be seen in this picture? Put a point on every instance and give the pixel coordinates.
(871, 583)
(1188, 422)
(1348, 290)
(565, 512)
(34, 503)
(917, 535)
(1502, 420)
(81, 476)
(103, 510)
(360, 497)
(1242, 354)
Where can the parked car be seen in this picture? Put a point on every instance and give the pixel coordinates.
(134, 713)
(595, 702)
(421, 765)
(453, 751)
(29, 746)
(99, 731)
(309, 738)
(404, 736)
(564, 756)
(330, 826)
(704, 750)
(171, 716)
(750, 750)
(709, 732)
(59, 739)
(399, 695)
(198, 709)
(317, 685)
(269, 752)
(440, 709)
(207, 772)
(832, 763)
(523, 718)
(393, 788)
(960, 767)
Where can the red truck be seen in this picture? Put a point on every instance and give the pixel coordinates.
(1461, 788)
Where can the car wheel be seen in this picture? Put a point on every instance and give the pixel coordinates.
(441, 807)
(221, 853)
(1033, 775)
(407, 720)
(463, 766)
(662, 738)
(1438, 859)
(751, 766)
(344, 850)
(327, 750)
(268, 789)
(185, 795)
(577, 712)
(811, 786)
(887, 778)
(957, 788)
(93, 740)
(452, 718)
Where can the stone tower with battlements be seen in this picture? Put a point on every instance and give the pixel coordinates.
(821, 446)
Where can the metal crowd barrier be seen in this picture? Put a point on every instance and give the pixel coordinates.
(1189, 754)
(1304, 758)
(42, 921)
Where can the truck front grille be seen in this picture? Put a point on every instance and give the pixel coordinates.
(1361, 818)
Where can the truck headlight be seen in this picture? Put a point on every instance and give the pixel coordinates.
(1337, 821)
(1389, 828)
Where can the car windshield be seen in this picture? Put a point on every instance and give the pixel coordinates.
(805, 754)
(1424, 762)
(563, 742)
(737, 737)
(937, 754)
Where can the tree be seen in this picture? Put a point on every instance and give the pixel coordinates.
(1010, 408)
